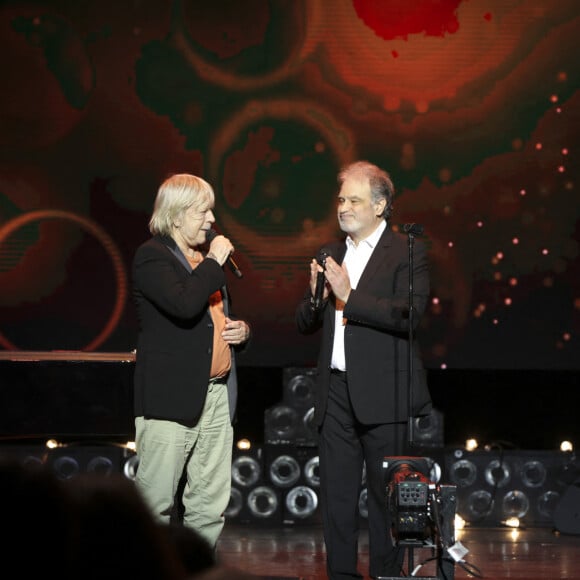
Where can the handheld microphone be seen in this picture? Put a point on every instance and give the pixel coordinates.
(319, 290)
(413, 229)
(211, 234)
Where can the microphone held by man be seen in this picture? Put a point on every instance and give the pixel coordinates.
(320, 280)
(211, 235)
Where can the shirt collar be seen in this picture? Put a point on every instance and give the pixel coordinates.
(371, 240)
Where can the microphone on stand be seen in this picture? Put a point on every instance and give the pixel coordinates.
(413, 229)
(211, 234)
(319, 290)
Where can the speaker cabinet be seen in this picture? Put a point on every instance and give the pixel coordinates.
(28, 455)
(291, 420)
(495, 485)
(253, 500)
(294, 471)
(428, 430)
(299, 384)
(567, 512)
(287, 425)
(70, 460)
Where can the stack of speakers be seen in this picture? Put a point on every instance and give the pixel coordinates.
(291, 453)
(252, 499)
(290, 422)
(274, 484)
(67, 461)
(495, 485)
(278, 481)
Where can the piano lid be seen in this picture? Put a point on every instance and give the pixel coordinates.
(66, 355)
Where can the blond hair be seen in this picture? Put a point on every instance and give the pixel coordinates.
(177, 194)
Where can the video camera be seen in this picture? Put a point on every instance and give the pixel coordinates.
(409, 492)
(422, 510)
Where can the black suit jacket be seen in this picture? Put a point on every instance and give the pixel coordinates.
(175, 343)
(376, 333)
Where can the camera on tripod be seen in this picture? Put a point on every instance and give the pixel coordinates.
(422, 511)
(409, 492)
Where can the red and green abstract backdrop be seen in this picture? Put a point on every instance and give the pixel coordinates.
(473, 106)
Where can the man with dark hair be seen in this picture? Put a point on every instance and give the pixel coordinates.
(361, 398)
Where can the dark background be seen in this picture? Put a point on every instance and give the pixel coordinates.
(472, 106)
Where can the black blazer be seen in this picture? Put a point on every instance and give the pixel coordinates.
(376, 334)
(174, 348)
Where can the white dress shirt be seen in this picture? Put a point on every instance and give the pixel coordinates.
(355, 260)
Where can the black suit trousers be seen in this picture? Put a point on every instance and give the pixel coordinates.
(344, 446)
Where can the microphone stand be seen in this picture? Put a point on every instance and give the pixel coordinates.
(411, 230)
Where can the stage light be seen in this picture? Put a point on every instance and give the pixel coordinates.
(459, 522)
(512, 522)
(244, 445)
(471, 444)
(566, 446)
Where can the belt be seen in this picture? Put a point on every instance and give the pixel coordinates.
(218, 381)
(338, 373)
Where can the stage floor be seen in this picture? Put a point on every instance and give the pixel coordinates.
(494, 553)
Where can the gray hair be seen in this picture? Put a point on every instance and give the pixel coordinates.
(177, 194)
(379, 180)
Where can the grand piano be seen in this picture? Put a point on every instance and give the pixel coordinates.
(81, 402)
(66, 394)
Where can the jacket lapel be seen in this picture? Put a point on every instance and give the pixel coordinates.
(377, 257)
(170, 244)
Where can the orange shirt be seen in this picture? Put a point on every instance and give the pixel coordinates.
(221, 361)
